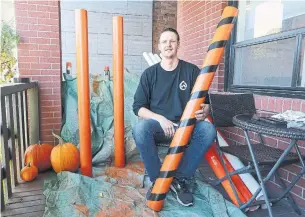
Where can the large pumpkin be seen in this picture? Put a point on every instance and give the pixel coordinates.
(64, 156)
(29, 172)
(39, 155)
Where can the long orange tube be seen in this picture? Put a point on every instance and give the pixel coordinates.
(214, 161)
(82, 67)
(118, 91)
(188, 120)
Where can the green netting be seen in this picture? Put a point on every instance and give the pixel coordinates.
(101, 106)
(120, 192)
(112, 191)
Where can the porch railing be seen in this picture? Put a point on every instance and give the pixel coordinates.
(19, 129)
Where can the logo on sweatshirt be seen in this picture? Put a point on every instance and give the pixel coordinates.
(183, 85)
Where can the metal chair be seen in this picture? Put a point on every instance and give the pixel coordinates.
(225, 107)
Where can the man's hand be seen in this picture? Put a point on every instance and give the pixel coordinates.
(167, 126)
(203, 112)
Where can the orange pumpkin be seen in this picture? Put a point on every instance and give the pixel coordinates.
(39, 155)
(65, 156)
(29, 172)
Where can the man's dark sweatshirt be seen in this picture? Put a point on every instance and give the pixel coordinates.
(166, 92)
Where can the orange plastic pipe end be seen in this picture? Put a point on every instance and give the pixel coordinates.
(82, 68)
(118, 91)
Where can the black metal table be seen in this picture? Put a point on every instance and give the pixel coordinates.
(262, 154)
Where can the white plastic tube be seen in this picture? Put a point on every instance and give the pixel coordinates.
(152, 57)
(157, 57)
(148, 59)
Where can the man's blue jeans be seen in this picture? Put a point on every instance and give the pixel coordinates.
(148, 132)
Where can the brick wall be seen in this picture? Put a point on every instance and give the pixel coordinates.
(164, 16)
(196, 31)
(39, 57)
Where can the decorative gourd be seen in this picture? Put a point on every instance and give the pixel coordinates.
(39, 155)
(64, 156)
(29, 172)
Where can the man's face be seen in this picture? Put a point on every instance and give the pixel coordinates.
(168, 44)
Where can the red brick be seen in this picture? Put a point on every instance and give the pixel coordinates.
(45, 91)
(55, 65)
(26, 46)
(40, 53)
(282, 145)
(51, 120)
(41, 66)
(303, 106)
(27, 33)
(48, 34)
(54, 16)
(47, 8)
(55, 54)
(265, 103)
(55, 41)
(46, 115)
(48, 21)
(53, 3)
(46, 103)
(21, 14)
(51, 108)
(40, 28)
(279, 105)
(54, 28)
(296, 189)
(270, 141)
(56, 90)
(24, 65)
(26, 20)
(300, 183)
(49, 97)
(24, 7)
(238, 138)
(22, 59)
(57, 114)
(271, 104)
(287, 104)
(38, 14)
(29, 71)
(49, 47)
(23, 52)
(40, 40)
(49, 60)
(23, 26)
(296, 105)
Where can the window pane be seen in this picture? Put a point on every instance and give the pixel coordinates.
(267, 64)
(261, 18)
(301, 82)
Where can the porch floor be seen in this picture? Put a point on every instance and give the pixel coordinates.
(28, 200)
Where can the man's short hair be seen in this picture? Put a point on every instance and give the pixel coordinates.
(171, 30)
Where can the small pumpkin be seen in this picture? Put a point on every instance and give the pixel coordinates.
(29, 172)
(65, 156)
(39, 155)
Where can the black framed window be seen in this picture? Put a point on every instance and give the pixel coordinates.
(265, 53)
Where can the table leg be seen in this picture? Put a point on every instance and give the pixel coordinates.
(289, 196)
(261, 181)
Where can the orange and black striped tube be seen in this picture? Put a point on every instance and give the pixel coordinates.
(188, 120)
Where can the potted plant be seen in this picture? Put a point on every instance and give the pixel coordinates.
(9, 40)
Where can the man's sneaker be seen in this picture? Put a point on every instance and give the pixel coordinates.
(181, 192)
